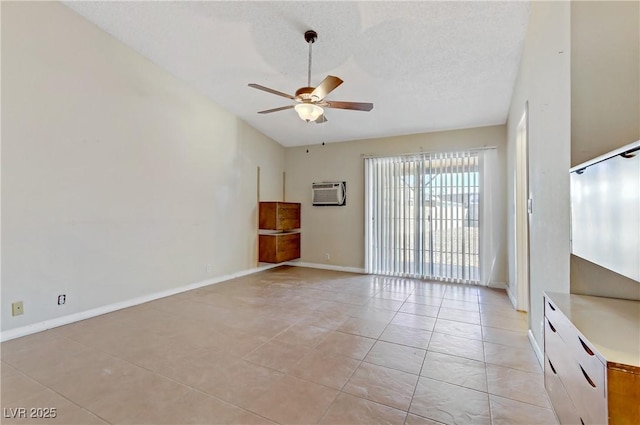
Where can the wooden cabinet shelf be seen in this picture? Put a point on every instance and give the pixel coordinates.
(284, 245)
(279, 247)
(279, 215)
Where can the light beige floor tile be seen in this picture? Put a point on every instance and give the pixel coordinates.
(104, 376)
(406, 336)
(249, 418)
(392, 295)
(342, 344)
(456, 346)
(325, 319)
(347, 410)
(517, 339)
(517, 385)
(27, 356)
(277, 355)
(465, 330)
(325, 369)
(414, 321)
(16, 386)
(428, 298)
(455, 370)
(450, 404)
(363, 327)
(305, 335)
(294, 401)
(419, 420)
(459, 315)
(390, 387)
(50, 408)
(400, 357)
(516, 358)
(420, 309)
(372, 313)
(384, 304)
(461, 305)
(511, 412)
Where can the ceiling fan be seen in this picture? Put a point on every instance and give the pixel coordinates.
(310, 101)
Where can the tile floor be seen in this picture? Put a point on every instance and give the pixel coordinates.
(288, 346)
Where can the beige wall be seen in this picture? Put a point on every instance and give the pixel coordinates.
(605, 77)
(605, 109)
(339, 231)
(118, 180)
(544, 81)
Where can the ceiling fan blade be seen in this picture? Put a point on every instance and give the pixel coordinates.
(282, 108)
(356, 106)
(272, 91)
(321, 119)
(326, 86)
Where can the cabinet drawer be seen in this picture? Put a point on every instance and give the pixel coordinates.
(562, 404)
(587, 394)
(562, 325)
(590, 363)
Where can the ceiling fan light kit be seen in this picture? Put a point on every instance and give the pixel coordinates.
(311, 100)
(308, 111)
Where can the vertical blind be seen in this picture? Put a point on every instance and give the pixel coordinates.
(422, 216)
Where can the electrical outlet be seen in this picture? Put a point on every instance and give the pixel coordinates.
(328, 256)
(17, 308)
(208, 268)
(62, 299)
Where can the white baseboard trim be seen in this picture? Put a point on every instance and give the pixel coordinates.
(98, 311)
(512, 297)
(325, 267)
(536, 348)
(498, 285)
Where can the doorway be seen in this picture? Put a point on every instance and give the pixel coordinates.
(522, 211)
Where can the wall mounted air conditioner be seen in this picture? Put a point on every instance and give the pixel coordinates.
(329, 193)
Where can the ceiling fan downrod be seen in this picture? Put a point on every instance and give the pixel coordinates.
(310, 36)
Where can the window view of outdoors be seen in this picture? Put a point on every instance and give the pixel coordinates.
(427, 218)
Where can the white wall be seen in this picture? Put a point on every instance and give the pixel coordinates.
(605, 109)
(544, 81)
(118, 180)
(339, 231)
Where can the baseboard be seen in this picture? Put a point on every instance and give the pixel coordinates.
(76, 317)
(325, 267)
(512, 297)
(536, 348)
(498, 285)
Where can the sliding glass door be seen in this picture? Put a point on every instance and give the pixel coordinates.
(422, 215)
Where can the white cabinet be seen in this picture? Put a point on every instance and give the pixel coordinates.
(592, 359)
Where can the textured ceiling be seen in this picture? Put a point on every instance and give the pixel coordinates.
(426, 66)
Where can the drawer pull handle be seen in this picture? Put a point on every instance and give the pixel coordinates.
(551, 307)
(586, 348)
(587, 377)
(551, 326)
(553, 369)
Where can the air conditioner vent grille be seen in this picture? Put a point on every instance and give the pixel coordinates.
(329, 193)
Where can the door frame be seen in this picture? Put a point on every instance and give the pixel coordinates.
(522, 212)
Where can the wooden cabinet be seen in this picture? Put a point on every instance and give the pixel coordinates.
(276, 247)
(279, 247)
(592, 359)
(279, 215)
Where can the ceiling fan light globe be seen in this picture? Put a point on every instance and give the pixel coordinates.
(308, 111)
